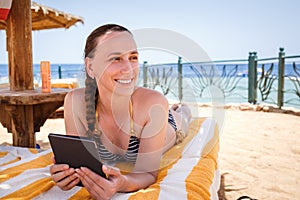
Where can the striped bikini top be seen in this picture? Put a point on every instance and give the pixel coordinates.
(132, 150)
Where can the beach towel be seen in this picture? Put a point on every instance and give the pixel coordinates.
(189, 170)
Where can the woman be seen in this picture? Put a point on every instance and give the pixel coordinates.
(128, 123)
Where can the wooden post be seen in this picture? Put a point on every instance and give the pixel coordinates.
(23, 132)
(19, 46)
(280, 96)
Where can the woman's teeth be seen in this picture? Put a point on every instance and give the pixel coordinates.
(124, 81)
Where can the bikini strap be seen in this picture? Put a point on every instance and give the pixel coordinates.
(97, 127)
(132, 131)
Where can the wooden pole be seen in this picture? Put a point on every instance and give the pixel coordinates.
(19, 46)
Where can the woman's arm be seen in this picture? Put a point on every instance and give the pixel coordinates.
(152, 138)
(75, 112)
(153, 133)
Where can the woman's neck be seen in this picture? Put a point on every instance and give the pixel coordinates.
(113, 105)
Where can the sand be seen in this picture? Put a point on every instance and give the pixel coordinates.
(259, 153)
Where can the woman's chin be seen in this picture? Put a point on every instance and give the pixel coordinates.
(124, 90)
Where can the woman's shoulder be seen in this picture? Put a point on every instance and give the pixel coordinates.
(75, 94)
(149, 96)
(73, 98)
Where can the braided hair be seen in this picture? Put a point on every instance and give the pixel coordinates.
(91, 89)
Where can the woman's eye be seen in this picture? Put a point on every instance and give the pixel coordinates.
(115, 59)
(134, 58)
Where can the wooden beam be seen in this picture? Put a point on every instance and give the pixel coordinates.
(19, 46)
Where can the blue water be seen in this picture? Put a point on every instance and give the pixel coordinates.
(67, 71)
(239, 94)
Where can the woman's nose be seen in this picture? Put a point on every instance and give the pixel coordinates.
(127, 66)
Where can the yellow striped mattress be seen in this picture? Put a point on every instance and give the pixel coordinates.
(189, 170)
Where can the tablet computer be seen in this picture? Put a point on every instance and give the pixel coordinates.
(76, 152)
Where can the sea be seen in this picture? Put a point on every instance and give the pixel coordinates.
(232, 81)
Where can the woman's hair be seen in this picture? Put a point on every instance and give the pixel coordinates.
(91, 90)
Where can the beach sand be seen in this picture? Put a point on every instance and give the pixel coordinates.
(259, 153)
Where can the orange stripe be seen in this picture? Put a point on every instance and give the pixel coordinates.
(81, 194)
(12, 161)
(32, 190)
(200, 179)
(2, 154)
(33, 150)
(39, 162)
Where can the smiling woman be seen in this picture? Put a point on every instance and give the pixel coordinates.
(129, 123)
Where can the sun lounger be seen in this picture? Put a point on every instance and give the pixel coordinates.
(189, 170)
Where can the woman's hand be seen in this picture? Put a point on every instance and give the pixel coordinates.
(64, 176)
(99, 187)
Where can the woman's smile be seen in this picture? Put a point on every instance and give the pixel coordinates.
(124, 81)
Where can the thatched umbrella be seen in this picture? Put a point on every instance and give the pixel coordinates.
(23, 109)
(44, 17)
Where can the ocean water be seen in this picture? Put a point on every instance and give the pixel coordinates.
(67, 71)
(233, 82)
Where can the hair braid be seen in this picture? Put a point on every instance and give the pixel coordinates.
(91, 98)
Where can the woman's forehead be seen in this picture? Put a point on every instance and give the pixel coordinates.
(120, 42)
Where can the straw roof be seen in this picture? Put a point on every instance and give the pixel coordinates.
(44, 17)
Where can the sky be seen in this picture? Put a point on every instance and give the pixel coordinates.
(222, 29)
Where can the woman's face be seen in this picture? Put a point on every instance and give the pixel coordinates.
(115, 63)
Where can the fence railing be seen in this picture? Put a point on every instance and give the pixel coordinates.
(276, 79)
(282, 70)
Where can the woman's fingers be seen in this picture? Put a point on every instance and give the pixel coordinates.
(96, 184)
(111, 171)
(93, 182)
(58, 176)
(90, 176)
(58, 167)
(69, 182)
(63, 176)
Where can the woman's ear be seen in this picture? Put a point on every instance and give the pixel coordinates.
(89, 67)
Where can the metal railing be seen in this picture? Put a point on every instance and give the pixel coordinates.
(276, 69)
(243, 78)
